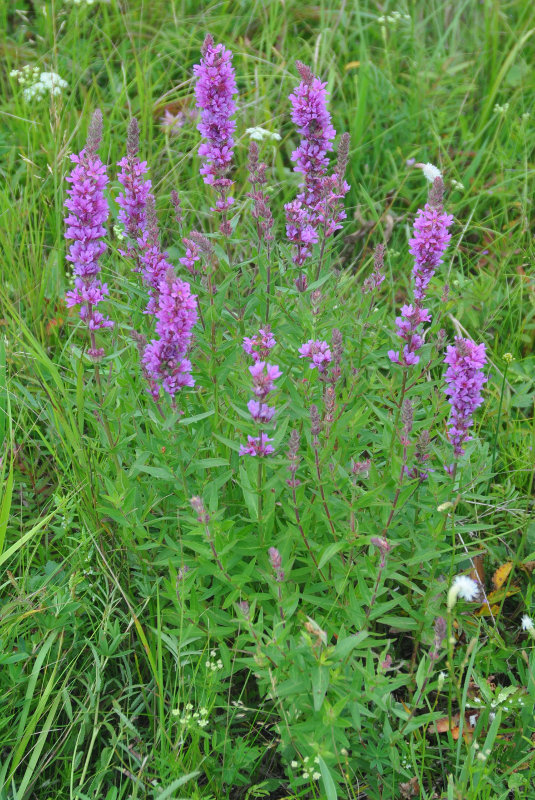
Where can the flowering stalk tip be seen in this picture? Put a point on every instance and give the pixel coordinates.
(464, 381)
(85, 227)
(316, 208)
(214, 91)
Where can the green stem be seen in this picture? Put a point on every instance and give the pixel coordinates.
(495, 442)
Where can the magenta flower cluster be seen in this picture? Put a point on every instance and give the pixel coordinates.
(133, 200)
(407, 325)
(316, 207)
(431, 238)
(85, 226)
(214, 91)
(138, 215)
(264, 376)
(260, 345)
(176, 314)
(464, 381)
(318, 352)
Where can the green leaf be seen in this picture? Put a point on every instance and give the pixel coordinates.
(176, 784)
(5, 506)
(345, 646)
(330, 551)
(320, 684)
(328, 783)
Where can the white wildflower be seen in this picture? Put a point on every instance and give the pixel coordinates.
(463, 587)
(294, 765)
(430, 171)
(37, 85)
(457, 184)
(259, 134)
(501, 110)
(316, 776)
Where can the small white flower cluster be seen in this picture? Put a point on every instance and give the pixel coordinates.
(528, 625)
(309, 769)
(463, 587)
(259, 134)
(482, 755)
(457, 184)
(395, 18)
(190, 717)
(83, 2)
(215, 664)
(501, 110)
(37, 84)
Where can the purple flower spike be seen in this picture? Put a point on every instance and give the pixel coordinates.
(464, 381)
(88, 211)
(317, 206)
(215, 89)
(318, 352)
(313, 122)
(133, 201)
(164, 358)
(431, 238)
(275, 559)
(264, 376)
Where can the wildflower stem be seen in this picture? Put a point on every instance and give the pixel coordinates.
(302, 532)
(103, 416)
(260, 478)
(495, 441)
(323, 499)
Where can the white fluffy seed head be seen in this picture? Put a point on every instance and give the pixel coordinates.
(527, 623)
(431, 172)
(463, 587)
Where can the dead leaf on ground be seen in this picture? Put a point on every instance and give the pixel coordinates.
(411, 788)
(443, 726)
(501, 574)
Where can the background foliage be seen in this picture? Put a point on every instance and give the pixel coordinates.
(101, 637)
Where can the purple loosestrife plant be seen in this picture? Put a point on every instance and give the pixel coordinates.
(133, 200)
(176, 314)
(259, 346)
(316, 207)
(430, 240)
(464, 381)
(318, 352)
(214, 91)
(154, 265)
(407, 326)
(88, 211)
(264, 376)
(428, 245)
